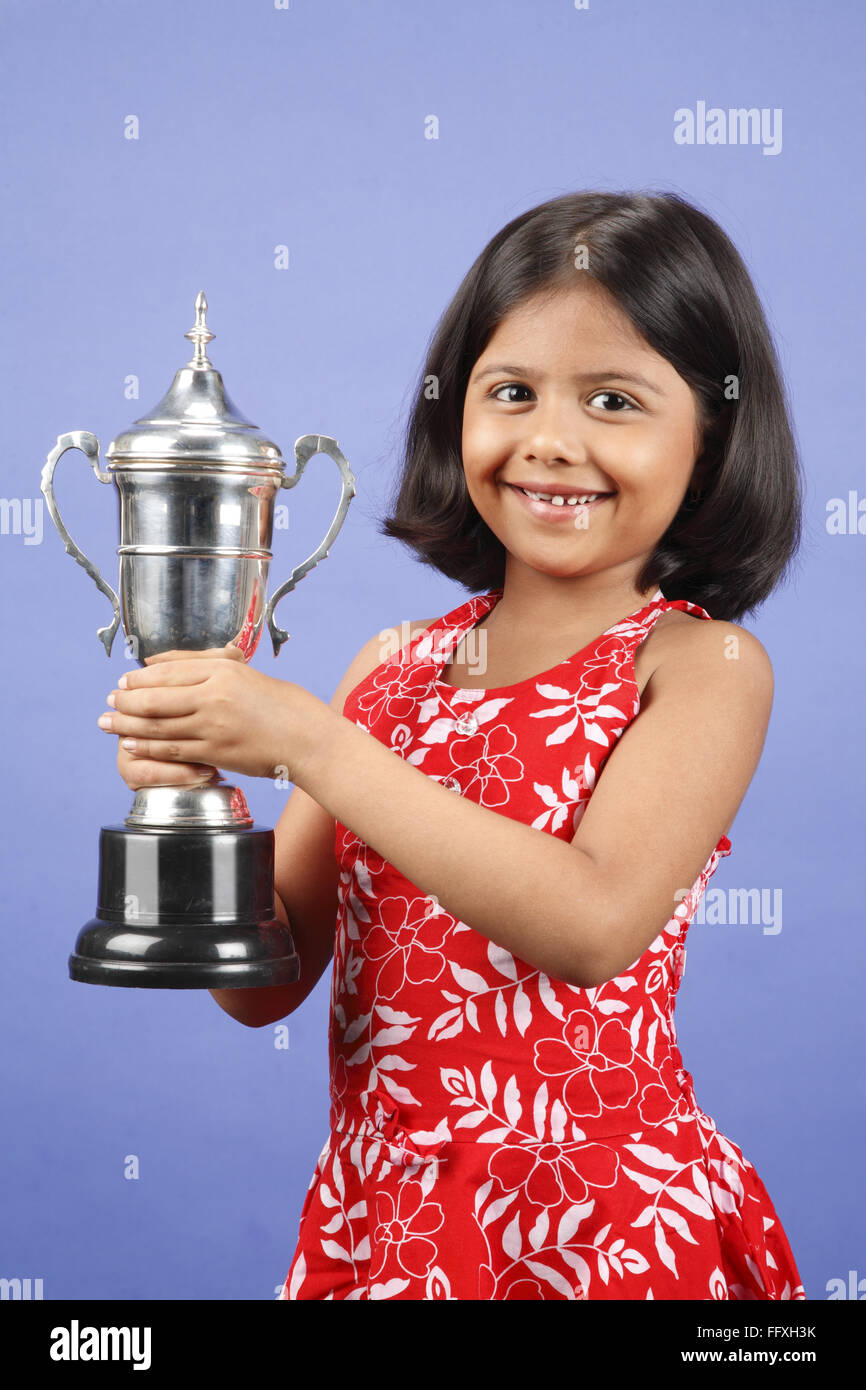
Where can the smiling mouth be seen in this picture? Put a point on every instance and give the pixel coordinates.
(555, 504)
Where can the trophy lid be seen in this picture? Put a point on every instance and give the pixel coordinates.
(196, 420)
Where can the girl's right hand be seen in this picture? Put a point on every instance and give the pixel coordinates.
(145, 772)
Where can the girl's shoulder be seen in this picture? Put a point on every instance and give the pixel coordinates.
(696, 648)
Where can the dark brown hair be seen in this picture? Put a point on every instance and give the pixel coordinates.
(685, 288)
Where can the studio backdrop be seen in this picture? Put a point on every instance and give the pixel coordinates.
(326, 172)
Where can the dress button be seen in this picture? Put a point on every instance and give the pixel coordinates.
(466, 724)
(451, 783)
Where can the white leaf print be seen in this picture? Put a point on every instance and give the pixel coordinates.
(359, 909)
(571, 1220)
(334, 1224)
(522, 1010)
(417, 756)
(552, 1276)
(616, 1247)
(677, 1222)
(539, 1109)
(389, 1290)
(452, 1080)
(645, 1216)
(564, 731)
(494, 1136)
(600, 1236)
(467, 979)
(501, 960)
(440, 730)
(470, 1082)
(643, 1180)
(356, 1027)
(512, 1241)
(442, 1021)
(625, 981)
(327, 1196)
(372, 1156)
(635, 1263)
(595, 733)
(501, 1012)
(490, 708)
(511, 1097)
(427, 709)
(362, 874)
(699, 1178)
(472, 1014)
(399, 1093)
(548, 998)
(359, 1209)
(611, 1006)
(547, 794)
(337, 1170)
(654, 1158)
(553, 692)
(578, 1264)
(362, 1249)
(634, 1027)
(691, 1201)
(725, 1200)
(386, 1036)
(602, 1267)
(482, 1194)
(389, 1015)
(539, 1230)
(452, 998)
(666, 1254)
(448, 1032)
(489, 1087)
(395, 1063)
(476, 1117)
(732, 1178)
(298, 1276)
(358, 1057)
(558, 1117)
(495, 1210)
(651, 1040)
(428, 1178)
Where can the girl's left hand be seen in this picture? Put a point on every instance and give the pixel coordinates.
(208, 707)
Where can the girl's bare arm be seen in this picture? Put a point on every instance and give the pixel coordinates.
(580, 911)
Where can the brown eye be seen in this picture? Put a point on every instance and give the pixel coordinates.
(616, 396)
(510, 386)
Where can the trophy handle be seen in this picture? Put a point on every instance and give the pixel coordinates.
(89, 445)
(305, 448)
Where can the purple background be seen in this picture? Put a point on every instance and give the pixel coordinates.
(259, 127)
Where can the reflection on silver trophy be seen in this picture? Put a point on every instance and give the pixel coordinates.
(186, 884)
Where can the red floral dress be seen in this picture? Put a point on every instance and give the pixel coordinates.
(494, 1132)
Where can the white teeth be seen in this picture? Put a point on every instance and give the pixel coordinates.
(558, 500)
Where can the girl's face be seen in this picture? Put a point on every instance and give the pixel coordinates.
(568, 398)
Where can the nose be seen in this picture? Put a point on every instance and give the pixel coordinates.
(553, 434)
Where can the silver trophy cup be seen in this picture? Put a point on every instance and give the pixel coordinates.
(186, 883)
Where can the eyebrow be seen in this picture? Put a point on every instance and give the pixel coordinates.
(610, 373)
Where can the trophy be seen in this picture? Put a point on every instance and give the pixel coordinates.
(186, 883)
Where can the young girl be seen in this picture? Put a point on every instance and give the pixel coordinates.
(599, 445)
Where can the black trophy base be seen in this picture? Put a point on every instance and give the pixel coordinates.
(185, 909)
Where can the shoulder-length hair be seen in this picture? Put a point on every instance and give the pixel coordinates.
(685, 288)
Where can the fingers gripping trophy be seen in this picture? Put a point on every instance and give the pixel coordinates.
(185, 895)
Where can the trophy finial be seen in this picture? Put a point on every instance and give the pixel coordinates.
(200, 335)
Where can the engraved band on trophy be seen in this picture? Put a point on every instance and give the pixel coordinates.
(186, 883)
